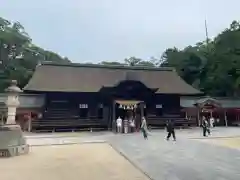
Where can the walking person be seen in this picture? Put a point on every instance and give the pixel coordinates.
(119, 124)
(144, 128)
(208, 129)
(208, 126)
(205, 127)
(171, 130)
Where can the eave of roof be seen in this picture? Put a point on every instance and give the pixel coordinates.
(226, 102)
(52, 77)
(126, 67)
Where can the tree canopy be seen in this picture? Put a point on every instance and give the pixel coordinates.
(212, 65)
(18, 55)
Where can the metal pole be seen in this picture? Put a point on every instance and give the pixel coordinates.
(206, 31)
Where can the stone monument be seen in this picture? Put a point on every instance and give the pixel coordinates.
(12, 141)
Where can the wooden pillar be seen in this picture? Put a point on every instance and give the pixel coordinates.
(236, 115)
(2, 123)
(225, 117)
(107, 115)
(113, 117)
(198, 116)
(30, 122)
(142, 109)
(89, 108)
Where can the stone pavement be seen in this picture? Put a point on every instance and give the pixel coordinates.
(189, 158)
(181, 160)
(196, 133)
(189, 133)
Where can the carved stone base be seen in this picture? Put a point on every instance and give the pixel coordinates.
(12, 141)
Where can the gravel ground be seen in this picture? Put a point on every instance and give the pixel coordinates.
(233, 143)
(97, 161)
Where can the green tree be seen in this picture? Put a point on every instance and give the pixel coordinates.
(212, 65)
(223, 65)
(132, 61)
(18, 56)
(110, 63)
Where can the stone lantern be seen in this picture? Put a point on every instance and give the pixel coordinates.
(12, 140)
(12, 102)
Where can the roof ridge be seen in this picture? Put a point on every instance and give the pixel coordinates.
(108, 66)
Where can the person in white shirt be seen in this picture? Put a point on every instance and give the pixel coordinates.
(212, 122)
(132, 124)
(119, 124)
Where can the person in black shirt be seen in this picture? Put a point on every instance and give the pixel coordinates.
(170, 130)
(205, 127)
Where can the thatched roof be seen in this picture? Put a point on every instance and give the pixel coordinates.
(91, 78)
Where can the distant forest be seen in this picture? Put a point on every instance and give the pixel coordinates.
(212, 65)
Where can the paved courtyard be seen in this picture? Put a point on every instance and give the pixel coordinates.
(186, 159)
(191, 157)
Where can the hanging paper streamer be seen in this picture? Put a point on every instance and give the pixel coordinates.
(127, 104)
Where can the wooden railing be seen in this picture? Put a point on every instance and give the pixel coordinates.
(56, 114)
(69, 124)
(178, 121)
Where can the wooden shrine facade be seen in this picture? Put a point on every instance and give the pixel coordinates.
(93, 96)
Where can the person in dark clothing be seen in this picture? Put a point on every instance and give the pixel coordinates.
(170, 130)
(205, 127)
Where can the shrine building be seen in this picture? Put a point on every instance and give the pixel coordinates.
(93, 96)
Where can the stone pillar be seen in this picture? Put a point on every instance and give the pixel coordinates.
(12, 102)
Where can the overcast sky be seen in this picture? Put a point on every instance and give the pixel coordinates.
(99, 30)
